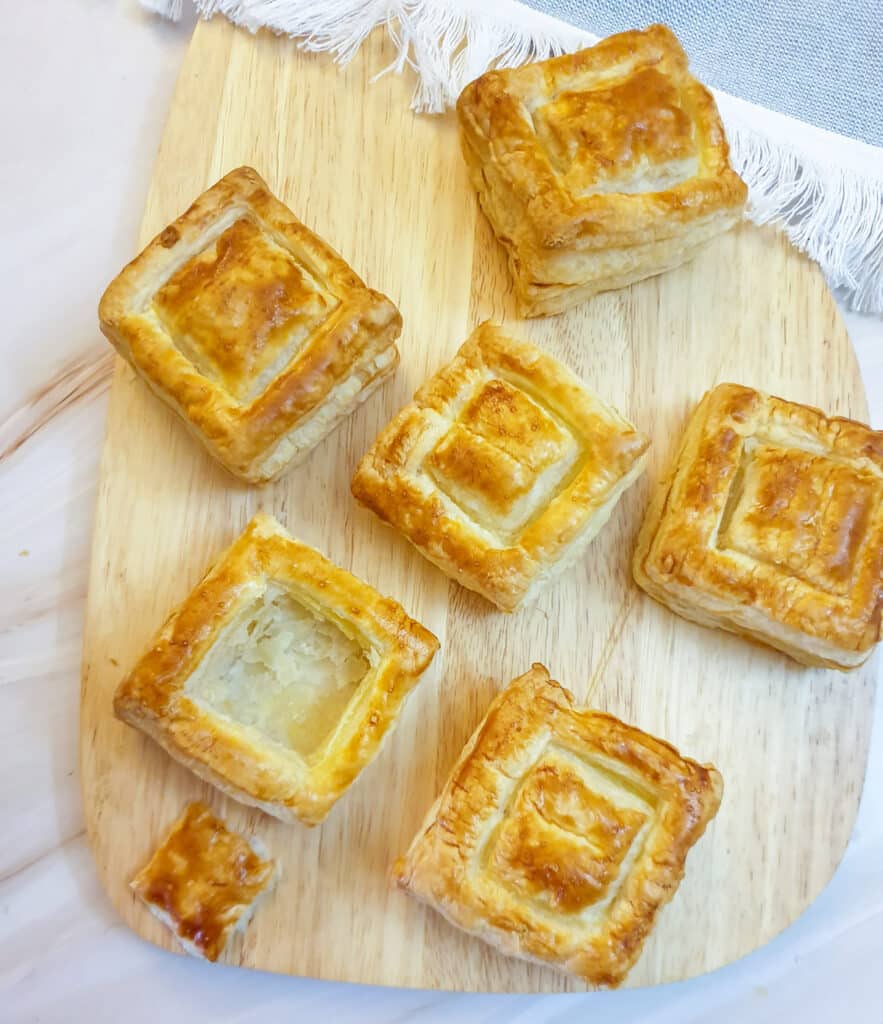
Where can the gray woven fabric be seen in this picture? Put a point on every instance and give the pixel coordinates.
(817, 60)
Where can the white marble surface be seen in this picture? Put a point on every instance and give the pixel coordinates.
(85, 85)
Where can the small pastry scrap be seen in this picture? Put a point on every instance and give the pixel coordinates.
(599, 168)
(279, 677)
(560, 833)
(252, 329)
(502, 469)
(769, 524)
(204, 882)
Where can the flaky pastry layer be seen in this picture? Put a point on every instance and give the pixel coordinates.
(502, 469)
(560, 833)
(255, 331)
(204, 731)
(599, 168)
(204, 881)
(769, 524)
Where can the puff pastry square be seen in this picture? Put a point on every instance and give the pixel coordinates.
(204, 882)
(599, 168)
(502, 469)
(560, 833)
(279, 677)
(769, 524)
(250, 327)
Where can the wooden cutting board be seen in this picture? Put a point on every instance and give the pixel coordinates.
(388, 189)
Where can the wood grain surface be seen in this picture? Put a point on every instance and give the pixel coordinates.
(388, 189)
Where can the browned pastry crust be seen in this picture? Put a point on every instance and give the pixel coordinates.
(560, 833)
(188, 691)
(599, 168)
(250, 327)
(502, 469)
(769, 524)
(203, 881)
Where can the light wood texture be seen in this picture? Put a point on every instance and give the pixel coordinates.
(388, 189)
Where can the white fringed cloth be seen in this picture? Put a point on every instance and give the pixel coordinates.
(823, 187)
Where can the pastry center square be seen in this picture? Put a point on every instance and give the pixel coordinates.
(282, 670)
(630, 136)
(503, 457)
(801, 512)
(565, 839)
(241, 309)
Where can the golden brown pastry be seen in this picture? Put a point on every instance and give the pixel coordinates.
(204, 882)
(769, 524)
(502, 469)
(599, 168)
(279, 677)
(560, 833)
(250, 327)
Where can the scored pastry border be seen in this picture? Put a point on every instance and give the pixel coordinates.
(496, 123)
(396, 490)
(363, 324)
(522, 721)
(236, 758)
(729, 416)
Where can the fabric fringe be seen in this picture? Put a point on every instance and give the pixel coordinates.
(171, 9)
(825, 191)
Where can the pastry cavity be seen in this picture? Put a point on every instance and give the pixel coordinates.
(560, 833)
(279, 677)
(599, 168)
(770, 525)
(251, 328)
(503, 468)
(282, 670)
(204, 882)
